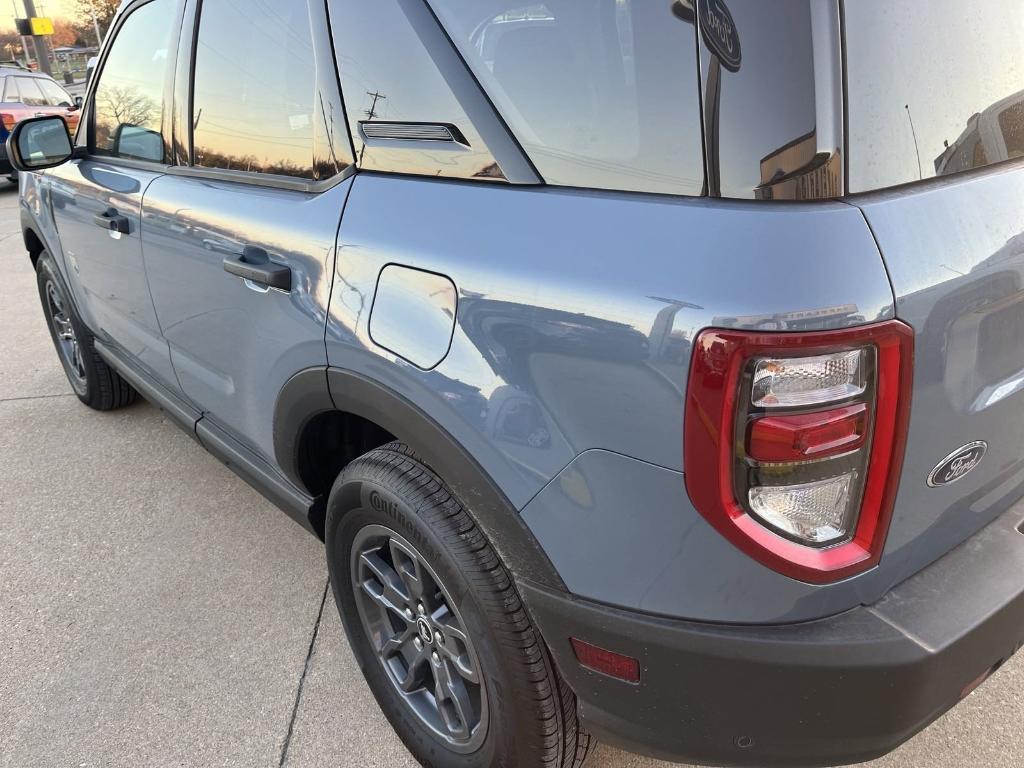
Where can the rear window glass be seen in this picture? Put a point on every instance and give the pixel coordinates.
(255, 88)
(935, 87)
(601, 94)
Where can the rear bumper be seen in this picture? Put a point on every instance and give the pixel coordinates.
(840, 690)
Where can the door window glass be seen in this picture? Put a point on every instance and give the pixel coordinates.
(31, 93)
(130, 94)
(11, 94)
(255, 87)
(55, 95)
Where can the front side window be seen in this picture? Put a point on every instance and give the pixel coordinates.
(31, 93)
(129, 97)
(255, 88)
(601, 93)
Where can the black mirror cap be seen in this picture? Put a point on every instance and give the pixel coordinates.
(14, 153)
(79, 101)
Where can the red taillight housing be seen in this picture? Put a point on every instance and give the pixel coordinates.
(794, 443)
(8, 120)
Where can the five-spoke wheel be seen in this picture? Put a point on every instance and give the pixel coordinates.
(419, 637)
(64, 331)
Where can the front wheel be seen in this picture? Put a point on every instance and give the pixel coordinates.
(95, 383)
(437, 626)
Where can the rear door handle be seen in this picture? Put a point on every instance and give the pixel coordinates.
(111, 220)
(255, 266)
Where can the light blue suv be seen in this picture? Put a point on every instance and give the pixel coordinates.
(651, 370)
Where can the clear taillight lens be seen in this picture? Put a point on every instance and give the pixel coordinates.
(804, 381)
(794, 442)
(819, 513)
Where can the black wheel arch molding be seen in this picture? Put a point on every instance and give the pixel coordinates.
(314, 392)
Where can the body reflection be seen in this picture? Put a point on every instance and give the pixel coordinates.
(991, 136)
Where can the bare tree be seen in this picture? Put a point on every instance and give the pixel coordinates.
(124, 106)
(103, 9)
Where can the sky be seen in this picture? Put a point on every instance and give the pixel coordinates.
(43, 8)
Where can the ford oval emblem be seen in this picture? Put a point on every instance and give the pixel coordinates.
(958, 464)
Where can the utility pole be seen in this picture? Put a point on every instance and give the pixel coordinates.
(96, 26)
(913, 131)
(370, 114)
(41, 43)
(24, 40)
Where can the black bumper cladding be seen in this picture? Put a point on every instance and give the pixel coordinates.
(840, 690)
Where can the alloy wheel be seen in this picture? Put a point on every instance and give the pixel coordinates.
(419, 637)
(67, 342)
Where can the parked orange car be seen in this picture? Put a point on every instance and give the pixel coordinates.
(30, 94)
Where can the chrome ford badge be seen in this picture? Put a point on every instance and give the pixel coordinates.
(957, 464)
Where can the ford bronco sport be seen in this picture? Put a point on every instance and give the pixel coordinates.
(651, 370)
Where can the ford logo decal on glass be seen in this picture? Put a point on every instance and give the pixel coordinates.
(957, 464)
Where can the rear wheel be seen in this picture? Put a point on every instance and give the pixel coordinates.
(438, 627)
(95, 383)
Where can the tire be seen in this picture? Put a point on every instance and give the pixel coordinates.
(389, 508)
(95, 383)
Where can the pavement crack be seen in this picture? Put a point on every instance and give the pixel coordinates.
(34, 397)
(302, 678)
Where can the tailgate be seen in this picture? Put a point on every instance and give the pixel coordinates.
(955, 255)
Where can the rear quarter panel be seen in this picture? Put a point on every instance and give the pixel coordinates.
(576, 313)
(954, 249)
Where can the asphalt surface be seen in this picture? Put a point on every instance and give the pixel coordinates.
(156, 611)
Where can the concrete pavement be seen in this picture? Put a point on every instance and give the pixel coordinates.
(155, 611)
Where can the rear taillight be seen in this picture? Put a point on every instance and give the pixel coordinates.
(794, 443)
(8, 120)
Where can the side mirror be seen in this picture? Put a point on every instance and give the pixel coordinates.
(39, 143)
(79, 101)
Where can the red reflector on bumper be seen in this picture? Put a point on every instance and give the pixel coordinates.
(606, 662)
(800, 437)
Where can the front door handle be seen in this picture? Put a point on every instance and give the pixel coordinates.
(254, 265)
(111, 220)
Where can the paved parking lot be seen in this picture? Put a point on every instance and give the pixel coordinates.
(155, 611)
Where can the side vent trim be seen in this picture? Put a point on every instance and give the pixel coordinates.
(381, 130)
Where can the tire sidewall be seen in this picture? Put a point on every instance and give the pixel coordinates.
(359, 502)
(46, 273)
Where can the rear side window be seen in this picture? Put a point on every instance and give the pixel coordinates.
(31, 93)
(396, 78)
(11, 94)
(255, 88)
(128, 111)
(603, 93)
(55, 95)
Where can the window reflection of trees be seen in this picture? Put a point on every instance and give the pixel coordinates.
(118, 106)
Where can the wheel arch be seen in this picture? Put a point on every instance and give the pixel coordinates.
(33, 244)
(369, 415)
